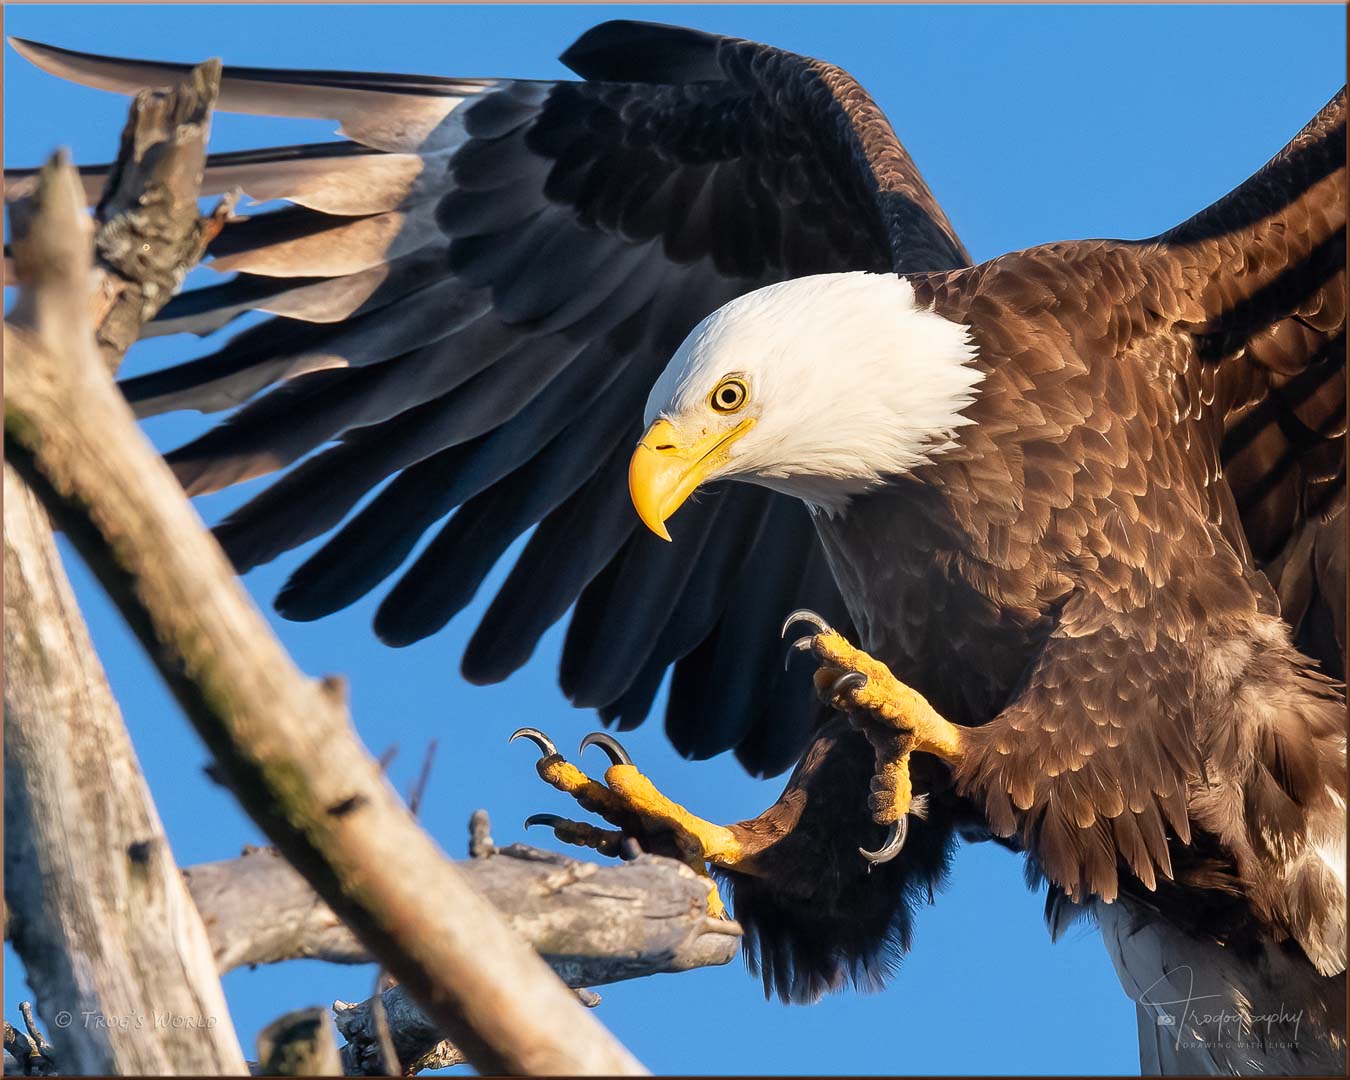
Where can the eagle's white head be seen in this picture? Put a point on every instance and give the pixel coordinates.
(820, 387)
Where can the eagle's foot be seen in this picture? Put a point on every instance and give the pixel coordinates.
(631, 803)
(896, 719)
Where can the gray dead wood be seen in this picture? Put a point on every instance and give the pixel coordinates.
(98, 911)
(150, 234)
(593, 923)
(28, 1053)
(259, 910)
(284, 742)
(416, 1039)
(301, 1043)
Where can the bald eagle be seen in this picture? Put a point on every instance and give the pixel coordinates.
(1069, 526)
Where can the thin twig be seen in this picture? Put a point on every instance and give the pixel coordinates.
(419, 788)
(34, 1032)
(480, 835)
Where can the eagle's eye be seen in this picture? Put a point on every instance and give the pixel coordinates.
(729, 395)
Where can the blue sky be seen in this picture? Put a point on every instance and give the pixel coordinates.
(1031, 124)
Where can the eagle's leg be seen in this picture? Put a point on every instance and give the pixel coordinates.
(632, 803)
(896, 719)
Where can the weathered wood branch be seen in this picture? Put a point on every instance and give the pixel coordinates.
(28, 1053)
(150, 234)
(258, 909)
(300, 1043)
(593, 923)
(98, 911)
(416, 1039)
(284, 742)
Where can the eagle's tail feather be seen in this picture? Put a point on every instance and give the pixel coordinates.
(1205, 1009)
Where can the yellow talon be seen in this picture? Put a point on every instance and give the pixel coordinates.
(716, 909)
(892, 790)
(570, 780)
(888, 699)
(580, 834)
(631, 802)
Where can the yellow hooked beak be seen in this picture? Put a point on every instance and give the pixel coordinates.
(664, 471)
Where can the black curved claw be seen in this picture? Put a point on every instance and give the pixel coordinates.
(609, 744)
(537, 737)
(895, 840)
(802, 644)
(551, 820)
(805, 615)
(849, 680)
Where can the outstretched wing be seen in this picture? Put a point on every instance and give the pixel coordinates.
(471, 298)
(1189, 419)
(1270, 355)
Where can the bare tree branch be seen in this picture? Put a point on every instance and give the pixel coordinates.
(609, 922)
(150, 234)
(480, 835)
(257, 909)
(149, 231)
(386, 1057)
(593, 923)
(30, 1052)
(417, 1040)
(155, 150)
(283, 741)
(300, 1043)
(99, 913)
(38, 1039)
